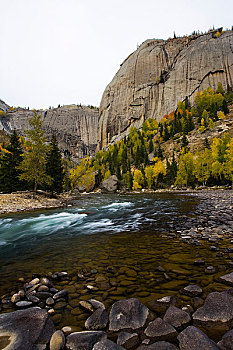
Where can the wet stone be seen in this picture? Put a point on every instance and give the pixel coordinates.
(15, 298)
(33, 299)
(162, 304)
(192, 290)
(50, 301)
(43, 295)
(61, 294)
(23, 304)
(227, 279)
(210, 270)
(199, 262)
(43, 288)
(57, 341)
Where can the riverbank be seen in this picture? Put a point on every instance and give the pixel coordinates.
(24, 201)
(17, 202)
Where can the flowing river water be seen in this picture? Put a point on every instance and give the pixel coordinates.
(117, 241)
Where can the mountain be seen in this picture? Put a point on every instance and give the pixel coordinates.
(158, 74)
(74, 126)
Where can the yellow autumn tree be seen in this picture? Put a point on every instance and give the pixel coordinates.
(83, 176)
(203, 164)
(137, 179)
(228, 165)
(185, 173)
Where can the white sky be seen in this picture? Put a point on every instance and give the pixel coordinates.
(67, 51)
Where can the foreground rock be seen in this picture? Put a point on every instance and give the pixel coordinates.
(160, 330)
(84, 340)
(193, 338)
(160, 345)
(227, 279)
(128, 314)
(177, 317)
(57, 342)
(107, 345)
(227, 341)
(26, 329)
(216, 315)
(98, 320)
(110, 185)
(128, 340)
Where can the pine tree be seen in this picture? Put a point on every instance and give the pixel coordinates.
(54, 167)
(33, 166)
(224, 107)
(9, 163)
(206, 143)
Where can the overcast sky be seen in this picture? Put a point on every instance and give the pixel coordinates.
(67, 51)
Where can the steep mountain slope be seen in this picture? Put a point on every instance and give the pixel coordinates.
(157, 75)
(74, 126)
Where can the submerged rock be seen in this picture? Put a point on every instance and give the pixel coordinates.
(227, 279)
(192, 290)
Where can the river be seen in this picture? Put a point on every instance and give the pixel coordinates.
(124, 237)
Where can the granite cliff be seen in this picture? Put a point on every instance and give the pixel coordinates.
(157, 75)
(75, 126)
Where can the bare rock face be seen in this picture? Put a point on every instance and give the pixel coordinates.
(74, 126)
(157, 75)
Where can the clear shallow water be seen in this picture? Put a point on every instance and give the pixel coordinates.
(128, 233)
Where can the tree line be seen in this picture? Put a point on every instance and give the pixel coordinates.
(138, 160)
(30, 163)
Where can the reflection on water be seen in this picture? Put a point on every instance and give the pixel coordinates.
(123, 237)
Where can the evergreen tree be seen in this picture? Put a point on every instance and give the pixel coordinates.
(151, 145)
(33, 166)
(10, 160)
(206, 143)
(160, 152)
(54, 167)
(184, 142)
(224, 107)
